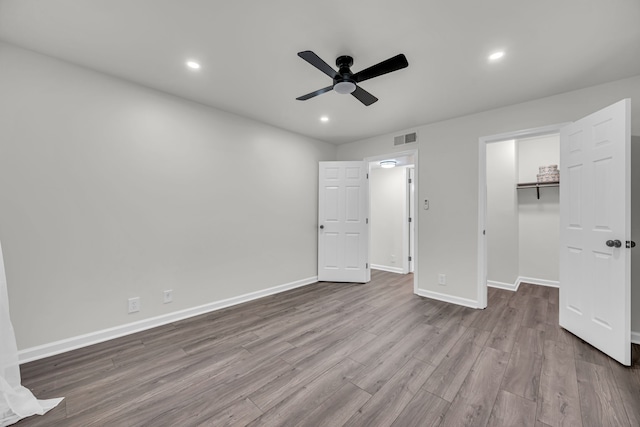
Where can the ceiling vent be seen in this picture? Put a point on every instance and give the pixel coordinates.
(405, 139)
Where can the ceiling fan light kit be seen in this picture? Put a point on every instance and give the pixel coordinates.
(344, 88)
(344, 81)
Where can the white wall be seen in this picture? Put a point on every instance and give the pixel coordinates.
(502, 213)
(109, 190)
(535, 152)
(539, 219)
(388, 192)
(448, 177)
(635, 234)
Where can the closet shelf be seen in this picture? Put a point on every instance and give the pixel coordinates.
(538, 185)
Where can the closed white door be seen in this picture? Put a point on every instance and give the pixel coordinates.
(343, 229)
(595, 225)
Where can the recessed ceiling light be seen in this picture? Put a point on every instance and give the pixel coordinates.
(193, 65)
(324, 119)
(496, 55)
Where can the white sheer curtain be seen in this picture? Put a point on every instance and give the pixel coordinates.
(16, 401)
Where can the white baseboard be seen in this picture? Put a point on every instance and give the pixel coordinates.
(502, 285)
(57, 347)
(387, 268)
(635, 337)
(447, 298)
(541, 282)
(514, 287)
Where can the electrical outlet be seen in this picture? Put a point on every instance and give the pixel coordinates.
(168, 296)
(442, 279)
(134, 304)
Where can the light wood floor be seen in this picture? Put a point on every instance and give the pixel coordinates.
(335, 354)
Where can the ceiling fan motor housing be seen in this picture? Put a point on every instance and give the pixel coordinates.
(344, 62)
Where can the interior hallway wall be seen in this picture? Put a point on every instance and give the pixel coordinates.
(109, 190)
(635, 235)
(388, 200)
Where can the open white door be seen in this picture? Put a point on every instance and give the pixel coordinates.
(595, 225)
(343, 229)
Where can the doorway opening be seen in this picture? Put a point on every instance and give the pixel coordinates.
(523, 212)
(510, 210)
(393, 222)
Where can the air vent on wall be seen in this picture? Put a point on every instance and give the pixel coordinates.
(405, 139)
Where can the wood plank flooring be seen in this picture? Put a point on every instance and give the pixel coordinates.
(334, 354)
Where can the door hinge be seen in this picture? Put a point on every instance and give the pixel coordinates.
(367, 176)
(366, 265)
(367, 221)
(409, 219)
(630, 244)
(409, 180)
(409, 258)
(484, 232)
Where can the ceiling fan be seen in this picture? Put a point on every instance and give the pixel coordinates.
(344, 81)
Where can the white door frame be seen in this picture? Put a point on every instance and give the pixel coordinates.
(411, 212)
(391, 155)
(482, 195)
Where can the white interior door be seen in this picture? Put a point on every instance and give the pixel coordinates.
(343, 229)
(595, 223)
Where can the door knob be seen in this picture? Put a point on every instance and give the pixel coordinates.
(322, 227)
(614, 243)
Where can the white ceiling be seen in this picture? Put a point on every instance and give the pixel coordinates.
(249, 64)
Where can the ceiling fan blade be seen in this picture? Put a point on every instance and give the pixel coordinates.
(317, 62)
(316, 93)
(363, 96)
(392, 64)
